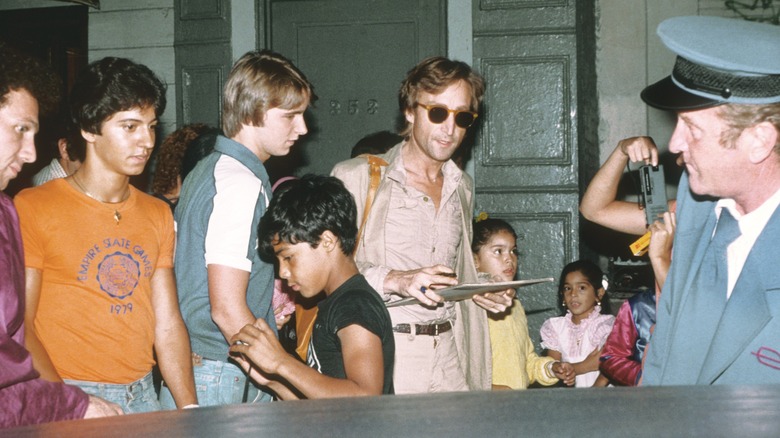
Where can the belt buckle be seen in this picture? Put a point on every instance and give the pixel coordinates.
(436, 330)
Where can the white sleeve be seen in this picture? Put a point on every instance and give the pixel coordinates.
(230, 224)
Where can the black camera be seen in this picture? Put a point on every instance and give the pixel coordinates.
(653, 187)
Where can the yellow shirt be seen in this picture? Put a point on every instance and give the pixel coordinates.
(515, 362)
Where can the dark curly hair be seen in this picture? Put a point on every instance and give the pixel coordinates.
(170, 155)
(302, 209)
(19, 71)
(111, 85)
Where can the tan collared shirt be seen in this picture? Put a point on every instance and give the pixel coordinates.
(417, 235)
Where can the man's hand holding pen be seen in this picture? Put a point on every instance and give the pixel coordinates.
(421, 283)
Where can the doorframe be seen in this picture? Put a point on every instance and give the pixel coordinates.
(244, 30)
(460, 43)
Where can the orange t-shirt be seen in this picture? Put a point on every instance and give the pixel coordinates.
(95, 315)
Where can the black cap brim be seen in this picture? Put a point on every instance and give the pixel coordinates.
(666, 95)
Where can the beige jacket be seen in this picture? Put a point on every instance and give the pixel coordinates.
(472, 337)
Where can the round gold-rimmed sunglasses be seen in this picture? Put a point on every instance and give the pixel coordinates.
(439, 113)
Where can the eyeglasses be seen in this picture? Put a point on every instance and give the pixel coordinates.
(438, 114)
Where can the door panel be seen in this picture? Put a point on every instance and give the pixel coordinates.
(203, 59)
(356, 53)
(540, 15)
(527, 158)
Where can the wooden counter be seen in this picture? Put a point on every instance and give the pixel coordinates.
(749, 411)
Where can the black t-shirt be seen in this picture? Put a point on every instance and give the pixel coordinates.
(354, 302)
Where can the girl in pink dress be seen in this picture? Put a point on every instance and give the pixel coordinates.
(578, 336)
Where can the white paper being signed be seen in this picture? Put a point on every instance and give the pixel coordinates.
(468, 290)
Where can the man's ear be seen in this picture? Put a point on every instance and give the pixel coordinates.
(409, 115)
(476, 262)
(88, 136)
(762, 139)
(62, 146)
(328, 240)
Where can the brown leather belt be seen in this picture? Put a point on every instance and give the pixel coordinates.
(419, 329)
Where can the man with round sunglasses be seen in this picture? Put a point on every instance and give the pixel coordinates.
(416, 236)
(438, 114)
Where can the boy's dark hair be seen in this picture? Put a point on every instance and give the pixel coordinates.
(110, 85)
(486, 228)
(305, 208)
(19, 71)
(593, 274)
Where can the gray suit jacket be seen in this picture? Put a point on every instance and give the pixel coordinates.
(471, 329)
(745, 348)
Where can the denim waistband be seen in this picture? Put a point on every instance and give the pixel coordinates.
(227, 371)
(139, 385)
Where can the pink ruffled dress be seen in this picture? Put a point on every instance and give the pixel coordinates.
(576, 341)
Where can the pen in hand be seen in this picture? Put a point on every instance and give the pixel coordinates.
(431, 287)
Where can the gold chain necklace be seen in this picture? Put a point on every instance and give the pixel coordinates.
(117, 214)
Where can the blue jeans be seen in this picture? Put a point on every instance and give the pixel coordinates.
(218, 383)
(135, 397)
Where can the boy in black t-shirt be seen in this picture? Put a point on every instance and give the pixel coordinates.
(310, 226)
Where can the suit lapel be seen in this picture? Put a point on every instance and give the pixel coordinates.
(694, 301)
(691, 245)
(693, 256)
(695, 220)
(747, 311)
